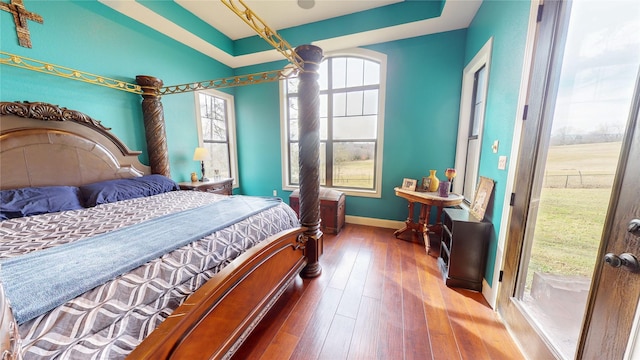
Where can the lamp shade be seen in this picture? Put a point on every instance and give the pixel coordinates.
(200, 154)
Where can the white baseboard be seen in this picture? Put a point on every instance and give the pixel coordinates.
(489, 293)
(359, 220)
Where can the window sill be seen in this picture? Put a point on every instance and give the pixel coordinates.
(348, 192)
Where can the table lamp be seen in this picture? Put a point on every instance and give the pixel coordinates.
(201, 154)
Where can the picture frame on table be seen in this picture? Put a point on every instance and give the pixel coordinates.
(409, 184)
(424, 184)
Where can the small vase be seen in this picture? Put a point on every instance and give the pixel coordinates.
(194, 177)
(433, 185)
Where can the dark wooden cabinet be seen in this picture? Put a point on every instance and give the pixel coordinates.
(222, 187)
(463, 249)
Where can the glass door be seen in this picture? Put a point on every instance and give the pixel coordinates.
(581, 125)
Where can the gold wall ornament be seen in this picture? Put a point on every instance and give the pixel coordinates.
(240, 80)
(37, 65)
(262, 29)
(21, 16)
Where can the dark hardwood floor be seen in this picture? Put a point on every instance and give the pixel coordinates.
(378, 297)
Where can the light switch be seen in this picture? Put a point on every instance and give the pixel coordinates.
(502, 162)
(494, 147)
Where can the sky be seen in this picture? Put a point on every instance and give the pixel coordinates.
(600, 66)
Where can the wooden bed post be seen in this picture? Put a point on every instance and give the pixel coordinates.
(154, 125)
(309, 156)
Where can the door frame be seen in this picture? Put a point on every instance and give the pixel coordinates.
(551, 35)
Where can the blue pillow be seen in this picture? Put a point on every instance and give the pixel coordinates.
(122, 189)
(17, 203)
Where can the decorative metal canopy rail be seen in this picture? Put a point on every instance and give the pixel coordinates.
(241, 10)
(65, 72)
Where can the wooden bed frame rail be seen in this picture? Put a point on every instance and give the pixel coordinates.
(212, 324)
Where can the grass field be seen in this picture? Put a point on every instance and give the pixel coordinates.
(357, 173)
(569, 224)
(568, 231)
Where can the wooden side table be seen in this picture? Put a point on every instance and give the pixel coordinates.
(426, 200)
(222, 186)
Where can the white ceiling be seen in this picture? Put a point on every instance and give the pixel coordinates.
(282, 14)
(278, 14)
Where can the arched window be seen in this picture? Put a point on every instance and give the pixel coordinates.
(351, 123)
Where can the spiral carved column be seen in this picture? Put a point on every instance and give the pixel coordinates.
(154, 125)
(309, 158)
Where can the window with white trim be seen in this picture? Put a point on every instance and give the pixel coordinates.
(471, 122)
(351, 124)
(216, 129)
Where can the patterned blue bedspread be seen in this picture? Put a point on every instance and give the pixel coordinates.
(40, 281)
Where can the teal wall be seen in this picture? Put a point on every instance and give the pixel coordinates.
(258, 135)
(507, 22)
(424, 77)
(88, 36)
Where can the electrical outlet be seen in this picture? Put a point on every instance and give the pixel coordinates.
(502, 162)
(275, 192)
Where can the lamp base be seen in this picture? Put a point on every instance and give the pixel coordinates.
(202, 179)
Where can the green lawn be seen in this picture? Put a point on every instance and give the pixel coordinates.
(570, 220)
(568, 231)
(356, 173)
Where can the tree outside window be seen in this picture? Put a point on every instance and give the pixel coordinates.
(217, 131)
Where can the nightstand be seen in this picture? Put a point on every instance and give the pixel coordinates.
(463, 250)
(222, 186)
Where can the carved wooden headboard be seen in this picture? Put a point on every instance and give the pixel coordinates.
(43, 144)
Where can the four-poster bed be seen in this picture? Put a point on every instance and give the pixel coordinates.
(43, 145)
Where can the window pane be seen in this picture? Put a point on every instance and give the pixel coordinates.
(355, 127)
(323, 80)
(324, 105)
(213, 116)
(339, 75)
(206, 129)
(370, 102)
(323, 163)
(218, 130)
(293, 107)
(354, 164)
(354, 103)
(471, 169)
(482, 78)
(293, 130)
(294, 169)
(355, 71)
(292, 85)
(339, 104)
(477, 113)
(323, 129)
(371, 73)
(218, 162)
(293, 117)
